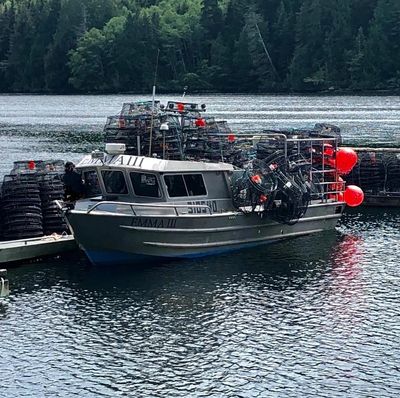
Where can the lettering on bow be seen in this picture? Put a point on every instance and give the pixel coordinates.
(153, 223)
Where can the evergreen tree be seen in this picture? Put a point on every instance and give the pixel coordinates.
(20, 43)
(7, 21)
(211, 19)
(383, 48)
(86, 62)
(308, 67)
(338, 41)
(69, 26)
(225, 45)
(283, 33)
(357, 62)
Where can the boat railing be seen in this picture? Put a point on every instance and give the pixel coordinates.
(328, 179)
(173, 208)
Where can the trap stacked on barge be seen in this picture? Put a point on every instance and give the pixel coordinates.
(378, 173)
(31, 223)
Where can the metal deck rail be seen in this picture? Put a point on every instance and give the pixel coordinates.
(152, 206)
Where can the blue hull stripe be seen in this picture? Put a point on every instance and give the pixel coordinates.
(104, 257)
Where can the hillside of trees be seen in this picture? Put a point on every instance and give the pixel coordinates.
(90, 46)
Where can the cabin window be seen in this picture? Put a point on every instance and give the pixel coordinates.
(92, 186)
(145, 184)
(185, 185)
(195, 184)
(114, 182)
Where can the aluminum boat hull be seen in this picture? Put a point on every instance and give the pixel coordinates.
(110, 238)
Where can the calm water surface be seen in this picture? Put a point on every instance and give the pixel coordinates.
(314, 316)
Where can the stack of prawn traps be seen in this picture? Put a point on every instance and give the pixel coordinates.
(176, 131)
(179, 131)
(139, 127)
(377, 172)
(26, 205)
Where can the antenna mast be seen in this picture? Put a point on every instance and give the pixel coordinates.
(267, 52)
(153, 103)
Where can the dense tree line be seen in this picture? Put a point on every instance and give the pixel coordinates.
(208, 45)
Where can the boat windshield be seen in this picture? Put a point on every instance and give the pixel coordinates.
(114, 182)
(145, 184)
(92, 185)
(185, 185)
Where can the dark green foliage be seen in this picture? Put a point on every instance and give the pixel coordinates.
(207, 45)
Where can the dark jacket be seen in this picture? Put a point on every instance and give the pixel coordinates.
(74, 188)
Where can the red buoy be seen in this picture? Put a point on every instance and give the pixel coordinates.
(256, 179)
(346, 159)
(200, 122)
(31, 165)
(231, 138)
(328, 150)
(180, 107)
(353, 196)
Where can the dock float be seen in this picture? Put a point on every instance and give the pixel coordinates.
(34, 248)
(4, 283)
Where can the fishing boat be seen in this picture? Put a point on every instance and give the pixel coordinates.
(150, 207)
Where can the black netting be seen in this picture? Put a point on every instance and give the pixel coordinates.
(376, 172)
(27, 200)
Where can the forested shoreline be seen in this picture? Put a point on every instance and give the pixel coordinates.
(236, 46)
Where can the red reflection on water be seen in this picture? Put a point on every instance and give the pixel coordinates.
(347, 295)
(347, 255)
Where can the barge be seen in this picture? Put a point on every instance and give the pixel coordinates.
(377, 172)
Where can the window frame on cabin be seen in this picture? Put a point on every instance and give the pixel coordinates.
(185, 185)
(126, 190)
(158, 185)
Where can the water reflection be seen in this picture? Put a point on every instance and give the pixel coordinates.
(347, 256)
(283, 264)
(255, 321)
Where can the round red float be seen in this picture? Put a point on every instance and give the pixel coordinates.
(263, 198)
(353, 196)
(328, 150)
(231, 137)
(200, 122)
(346, 159)
(256, 179)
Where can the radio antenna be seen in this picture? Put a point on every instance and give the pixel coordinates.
(153, 103)
(184, 91)
(267, 52)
